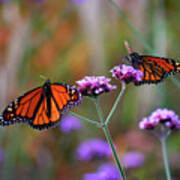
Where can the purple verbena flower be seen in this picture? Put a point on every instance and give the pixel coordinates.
(94, 85)
(107, 171)
(161, 116)
(133, 159)
(126, 73)
(93, 148)
(175, 124)
(69, 123)
(148, 123)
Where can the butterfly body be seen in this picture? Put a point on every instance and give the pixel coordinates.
(154, 69)
(41, 107)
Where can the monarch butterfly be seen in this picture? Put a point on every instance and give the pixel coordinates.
(154, 69)
(41, 107)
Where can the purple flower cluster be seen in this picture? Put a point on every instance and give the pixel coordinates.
(94, 85)
(93, 148)
(133, 159)
(70, 123)
(161, 116)
(126, 73)
(107, 171)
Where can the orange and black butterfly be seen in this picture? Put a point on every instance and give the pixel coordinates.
(154, 69)
(41, 107)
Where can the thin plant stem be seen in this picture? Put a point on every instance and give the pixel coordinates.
(109, 139)
(156, 134)
(165, 158)
(86, 119)
(137, 34)
(116, 103)
(175, 81)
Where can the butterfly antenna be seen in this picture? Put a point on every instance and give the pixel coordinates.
(127, 46)
(123, 60)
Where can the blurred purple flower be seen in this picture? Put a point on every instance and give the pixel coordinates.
(91, 176)
(161, 116)
(78, 1)
(126, 73)
(4, 1)
(93, 148)
(147, 123)
(70, 123)
(133, 159)
(94, 85)
(39, 1)
(107, 171)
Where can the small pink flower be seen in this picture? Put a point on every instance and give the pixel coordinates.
(161, 116)
(126, 73)
(94, 85)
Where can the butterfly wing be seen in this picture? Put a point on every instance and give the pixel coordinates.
(22, 109)
(46, 115)
(152, 73)
(170, 66)
(58, 100)
(154, 69)
(42, 107)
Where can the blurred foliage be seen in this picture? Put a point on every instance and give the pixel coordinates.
(57, 47)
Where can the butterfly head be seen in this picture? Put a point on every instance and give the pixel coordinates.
(134, 59)
(75, 95)
(46, 85)
(48, 82)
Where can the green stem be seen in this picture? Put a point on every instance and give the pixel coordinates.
(137, 34)
(109, 139)
(86, 119)
(165, 158)
(175, 81)
(116, 103)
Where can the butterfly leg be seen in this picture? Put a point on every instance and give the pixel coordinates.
(123, 60)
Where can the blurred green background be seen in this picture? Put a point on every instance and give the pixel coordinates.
(64, 40)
